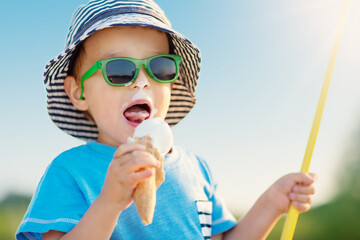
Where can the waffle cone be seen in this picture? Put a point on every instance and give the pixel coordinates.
(145, 192)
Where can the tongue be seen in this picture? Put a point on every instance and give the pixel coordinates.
(136, 114)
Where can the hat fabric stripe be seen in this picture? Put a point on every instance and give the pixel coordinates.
(190, 56)
(59, 108)
(57, 88)
(59, 100)
(179, 102)
(71, 111)
(56, 94)
(188, 71)
(83, 12)
(79, 127)
(63, 106)
(70, 114)
(100, 6)
(189, 105)
(110, 12)
(58, 119)
(80, 17)
(61, 119)
(54, 71)
(81, 133)
(100, 14)
(181, 93)
(179, 111)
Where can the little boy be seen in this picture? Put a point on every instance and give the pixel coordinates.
(123, 63)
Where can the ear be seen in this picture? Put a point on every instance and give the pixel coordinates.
(73, 90)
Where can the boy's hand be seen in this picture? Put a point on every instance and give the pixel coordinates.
(295, 187)
(124, 173)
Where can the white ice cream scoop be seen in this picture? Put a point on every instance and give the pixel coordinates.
(159, 131)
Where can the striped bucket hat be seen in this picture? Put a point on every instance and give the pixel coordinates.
(100, 14)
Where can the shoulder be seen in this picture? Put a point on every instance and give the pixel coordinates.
(69, 156)
(79, 150)
(89, 161)
(86, 152)
(77, 159)
(194, 159)
(187, 155)
(62, 165)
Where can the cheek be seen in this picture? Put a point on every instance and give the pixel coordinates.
(163, 101)
(101, 99)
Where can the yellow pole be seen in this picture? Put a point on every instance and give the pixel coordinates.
(292, 216)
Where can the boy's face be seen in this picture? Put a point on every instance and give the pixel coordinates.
(118, 110)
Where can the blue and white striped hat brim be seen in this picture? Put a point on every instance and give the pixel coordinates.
(100, 14)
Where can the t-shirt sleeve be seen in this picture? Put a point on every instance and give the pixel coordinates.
(57, 204)
(222, 218)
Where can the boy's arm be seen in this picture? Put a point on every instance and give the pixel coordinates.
(97, 223)
(116, 195)
(258, 222)
(217, 237)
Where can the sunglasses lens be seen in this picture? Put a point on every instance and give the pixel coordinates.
(120, 71)
(163, 68)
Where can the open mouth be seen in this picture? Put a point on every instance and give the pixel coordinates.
(137, 113)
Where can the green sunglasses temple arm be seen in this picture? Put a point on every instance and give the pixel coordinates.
(88, 74)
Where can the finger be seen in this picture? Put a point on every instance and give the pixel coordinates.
(304, 189)
(302, 178)
(301, 207)
(301, 198)
(137, 160)
(136, 177)
(126, 148)
(287, 182)
(314, 176)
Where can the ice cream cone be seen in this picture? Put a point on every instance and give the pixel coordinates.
(145, 192)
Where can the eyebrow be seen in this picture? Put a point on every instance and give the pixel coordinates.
(112, 55)
(123, 54)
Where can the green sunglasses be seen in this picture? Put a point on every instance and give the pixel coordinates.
(123, 71)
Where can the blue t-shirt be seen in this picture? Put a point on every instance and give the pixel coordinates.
(188, 204)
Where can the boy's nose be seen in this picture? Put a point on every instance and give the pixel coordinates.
(142, 80)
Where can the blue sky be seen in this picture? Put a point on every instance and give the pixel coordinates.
(262, 69)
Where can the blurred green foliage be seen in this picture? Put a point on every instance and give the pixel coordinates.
(12, 209)
(338, 219)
